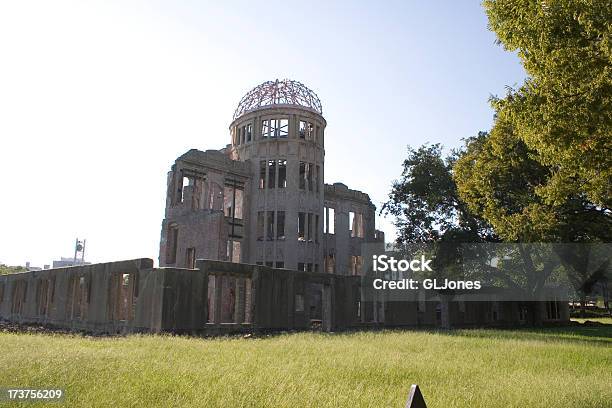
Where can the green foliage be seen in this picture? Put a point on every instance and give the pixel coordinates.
(545, 171)
(563, 112)
(425, 201)
(560, 367)
(5, 270)
(497, 176)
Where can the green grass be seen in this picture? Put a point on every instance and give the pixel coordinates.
(605, 320)
(561, 367)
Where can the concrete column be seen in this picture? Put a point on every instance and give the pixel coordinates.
(239, 312)
(248, 301)
(326, 313)
(445, 312)
(217, 298)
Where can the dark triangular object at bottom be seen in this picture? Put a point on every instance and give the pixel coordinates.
(415, 398)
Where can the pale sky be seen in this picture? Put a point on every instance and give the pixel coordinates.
(97, 99)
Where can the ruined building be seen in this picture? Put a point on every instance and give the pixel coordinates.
(262, 199)
(294, 246)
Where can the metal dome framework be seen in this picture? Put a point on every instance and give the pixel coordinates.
(283, 92)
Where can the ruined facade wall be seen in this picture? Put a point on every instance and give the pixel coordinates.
(354, 224)
(205, 232)
(277, 156)
(222, 297)
(109, 297)
(205, 209)
(184, 300)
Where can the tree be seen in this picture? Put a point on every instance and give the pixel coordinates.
(563, 111)
(425, 202)
(499, 177)
(430, 217)
(5, 270)
(545, 172)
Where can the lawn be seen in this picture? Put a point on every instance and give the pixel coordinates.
(605, 320)
(563, 367)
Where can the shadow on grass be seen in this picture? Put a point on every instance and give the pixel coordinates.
(593, 335)
(600, 335)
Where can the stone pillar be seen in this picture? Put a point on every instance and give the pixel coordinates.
(445, 313)
(248, 301)
(217, 298)
(239, 311)
(326, 303)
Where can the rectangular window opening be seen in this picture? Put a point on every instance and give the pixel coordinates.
(330, 263)
(190, 258)
(280, 225)
(265, 129)
(270, 225)
(310, 131)
(309, 227)
(301, 226)
(356, 223)
(238, 202)
(355, 264)
(283, 128)
(271, 173)
(235, 252)
(262, 174)
(184, 184)
(171, 244)
(228, 201)
(329, 221)
(282, 173)
(302, 176)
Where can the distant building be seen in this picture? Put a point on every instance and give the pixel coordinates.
(32, 268)
(64, 262)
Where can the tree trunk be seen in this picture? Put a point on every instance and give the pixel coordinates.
(582, 306)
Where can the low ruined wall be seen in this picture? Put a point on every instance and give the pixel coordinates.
(255, 297)
(111, 297)
(222, 297)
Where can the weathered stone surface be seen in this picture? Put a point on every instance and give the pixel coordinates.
(220, 297)
(276, 160)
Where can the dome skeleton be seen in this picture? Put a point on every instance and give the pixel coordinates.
(279, 92)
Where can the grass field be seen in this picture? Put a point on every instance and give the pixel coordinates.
(562, 367)
(605, 320)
